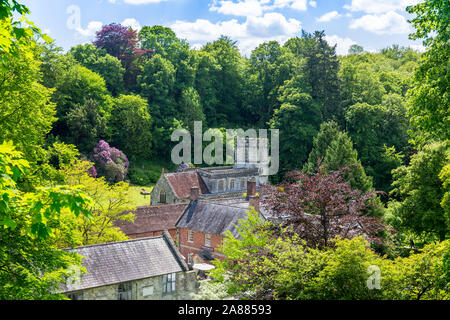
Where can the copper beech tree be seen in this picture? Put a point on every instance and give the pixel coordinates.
(321, 206)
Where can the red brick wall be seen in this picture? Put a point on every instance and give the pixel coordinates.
(195, 247)
(172, 232)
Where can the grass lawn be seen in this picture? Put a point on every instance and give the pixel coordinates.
(138, 198)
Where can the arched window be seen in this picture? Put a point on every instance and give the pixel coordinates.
(231, 184)
(221, 186)
(162, 196)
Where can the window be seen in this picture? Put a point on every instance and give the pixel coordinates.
(190, 236)
(162, 196)
(231, 184)
(169, 281)
(220, 187)
(124, 291)
(190, 258)
(75, 296)
(147, 291)
(207, 240)
(243, 184)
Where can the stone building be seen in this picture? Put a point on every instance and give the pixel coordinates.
(214, 182)
(140, 269)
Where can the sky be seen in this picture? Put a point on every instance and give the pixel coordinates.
(372, 24)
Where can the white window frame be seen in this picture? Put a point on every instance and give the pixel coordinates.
(169, 283)
(125, 291)
(190, 236)
(207, 240)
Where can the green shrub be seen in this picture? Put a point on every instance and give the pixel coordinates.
(143, 177)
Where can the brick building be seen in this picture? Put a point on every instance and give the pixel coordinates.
(152, 221)
(203, 223)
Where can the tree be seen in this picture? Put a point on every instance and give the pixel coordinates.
(122, 42)
(15, 34)
(207, 69)
(298, 120)
(26, 113)
(157, 83)
(373, 128)
(118, 41)
(86, 125)
(321, 206)
(74, 86)
(97, 60)
(111, 203)
(268, 68)
(335, 150)
(420, 193)
(429, 100)
(110, 162)
(191, 108)
(322, 66)
(359, 82)
(341, 154)
(327, 134)
(130, 125)
(355, 49)
(229, 80)
(32, 267)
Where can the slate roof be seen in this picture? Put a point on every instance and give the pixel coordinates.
(182, 182)
(124, 261)
(212, 217)
(152, 218)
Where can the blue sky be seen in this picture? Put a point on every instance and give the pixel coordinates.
(373, 24)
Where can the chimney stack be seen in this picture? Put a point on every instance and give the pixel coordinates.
(195, 192)
(251, 188)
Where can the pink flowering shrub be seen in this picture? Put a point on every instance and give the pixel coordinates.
(110, 162)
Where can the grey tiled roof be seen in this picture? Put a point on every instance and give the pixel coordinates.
(211, 217)
(124, 261)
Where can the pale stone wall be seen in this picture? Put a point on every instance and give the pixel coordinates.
(162, 184)
(186, 284)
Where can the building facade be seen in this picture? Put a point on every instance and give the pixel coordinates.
(140, 269)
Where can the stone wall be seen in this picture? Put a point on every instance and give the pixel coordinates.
(149, 289)
(162, 184)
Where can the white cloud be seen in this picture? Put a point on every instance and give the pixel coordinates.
(91, 29)
(329, 16)
(133, 23)
(418, 47)
(388, 23)
(138, 2)
(379, 6)
(247, 8)
(249, 34)
(242, 8)
(293, 4)
(342, 44)
(313, 4)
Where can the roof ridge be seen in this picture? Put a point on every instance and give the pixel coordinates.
(115, 242)
(221, 204)
(163, 205)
